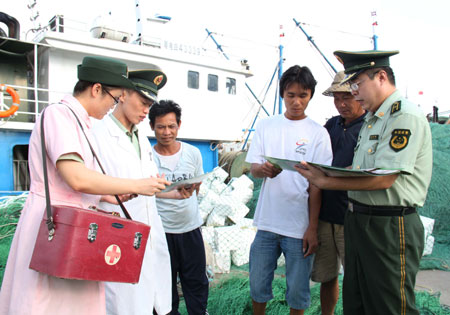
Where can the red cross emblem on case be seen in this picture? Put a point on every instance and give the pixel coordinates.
(112, 254)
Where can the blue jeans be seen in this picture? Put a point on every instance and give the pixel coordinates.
(264, 253)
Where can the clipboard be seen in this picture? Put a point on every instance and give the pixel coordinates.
(186, 182)
(332, 171)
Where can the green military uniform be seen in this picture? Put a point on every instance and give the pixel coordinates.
(384, 237)
(397, 136)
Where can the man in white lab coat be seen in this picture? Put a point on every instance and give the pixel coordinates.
(125, 152)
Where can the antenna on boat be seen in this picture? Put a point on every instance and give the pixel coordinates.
(148, 28)
(261, 106)
(34, 15)
(219, 47)
(139, 27)
(314, 44)
(210, 34)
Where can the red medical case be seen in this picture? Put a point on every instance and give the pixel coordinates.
(90, 245)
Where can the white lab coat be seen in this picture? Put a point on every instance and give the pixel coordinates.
(120, 159)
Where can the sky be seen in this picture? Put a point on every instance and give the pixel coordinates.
(251, 30)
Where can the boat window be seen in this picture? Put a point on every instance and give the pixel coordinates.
(193, 78)
(231, 86)
(20, 167)
(213, 82)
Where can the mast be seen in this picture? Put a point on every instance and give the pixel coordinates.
(374, 23)
(280, 72)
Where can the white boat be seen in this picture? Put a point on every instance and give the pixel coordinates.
(210, 89)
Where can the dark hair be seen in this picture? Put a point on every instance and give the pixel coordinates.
(162, 108)
(300, 75)
(81, 86)
(390, 73)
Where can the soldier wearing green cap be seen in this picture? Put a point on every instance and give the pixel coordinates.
(126, 151)
(73, 181)
(383, 232)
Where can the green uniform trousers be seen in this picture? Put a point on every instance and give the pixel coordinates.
(382, 255)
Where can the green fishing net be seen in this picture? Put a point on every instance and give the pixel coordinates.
(437, 205)
(10, 208)
(232, 296)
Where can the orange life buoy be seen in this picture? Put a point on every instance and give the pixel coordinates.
(15, 98)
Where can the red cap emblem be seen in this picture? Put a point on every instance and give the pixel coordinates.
(158, 80)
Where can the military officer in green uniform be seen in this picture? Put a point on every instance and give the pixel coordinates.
(384, 236)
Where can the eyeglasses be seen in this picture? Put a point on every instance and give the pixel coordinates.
(116, 99)
(355, 86)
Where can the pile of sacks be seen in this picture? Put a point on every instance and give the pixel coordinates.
(226, 232)
(228, 235)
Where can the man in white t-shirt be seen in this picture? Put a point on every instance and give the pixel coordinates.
(288, 206)
(181, 218)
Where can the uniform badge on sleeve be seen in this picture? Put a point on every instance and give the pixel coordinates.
(399, 139)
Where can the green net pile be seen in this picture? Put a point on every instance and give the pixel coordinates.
(437, 205)
(232, 296)
(10, 208)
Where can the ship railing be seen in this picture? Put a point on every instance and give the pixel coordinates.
(32, 101)
(61, 24)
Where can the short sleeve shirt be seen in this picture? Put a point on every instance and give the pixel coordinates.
(396, 136)
(282, 206)
(343, 141)
(181, 216)
(63, 136)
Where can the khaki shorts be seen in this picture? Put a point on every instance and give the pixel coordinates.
(330, 253)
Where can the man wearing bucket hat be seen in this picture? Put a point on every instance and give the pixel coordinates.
(126, 152)
(73, 181)
(343, 130)
(383, 232)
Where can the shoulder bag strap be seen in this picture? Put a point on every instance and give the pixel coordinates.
(127, 215)
(49, 222)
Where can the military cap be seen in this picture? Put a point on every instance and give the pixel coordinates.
(104, 70)
(355, 62)
(148, 82)
(336, 86)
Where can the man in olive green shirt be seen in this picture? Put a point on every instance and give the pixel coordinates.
(383, 232)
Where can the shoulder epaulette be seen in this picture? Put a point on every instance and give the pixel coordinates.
(396, 107)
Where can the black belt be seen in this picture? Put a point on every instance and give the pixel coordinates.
(394, 211)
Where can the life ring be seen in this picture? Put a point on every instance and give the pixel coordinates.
(15, 98)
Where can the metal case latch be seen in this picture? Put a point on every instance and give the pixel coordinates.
(92, 234)
(137, 240)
